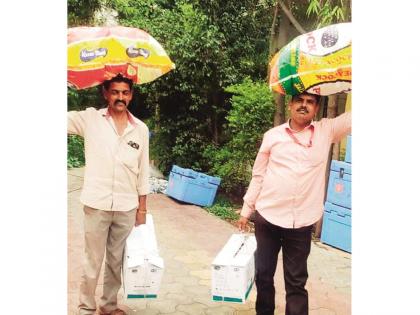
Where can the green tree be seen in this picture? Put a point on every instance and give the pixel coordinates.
(251, 115)
(329, 11)
(189, 105)
(81, 12)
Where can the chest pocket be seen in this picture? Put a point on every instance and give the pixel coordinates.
(129, 154)
(315, 155)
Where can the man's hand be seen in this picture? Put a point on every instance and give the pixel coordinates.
(242, 224)
(140, 217)
(141, 211)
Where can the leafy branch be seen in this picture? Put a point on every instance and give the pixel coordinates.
(328, 11)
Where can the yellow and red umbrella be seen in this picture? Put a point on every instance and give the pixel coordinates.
(96, 54)
(318, 62)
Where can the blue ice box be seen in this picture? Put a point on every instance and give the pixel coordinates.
(336, 227)
(193, 187)
(339, 184)
(347, 158)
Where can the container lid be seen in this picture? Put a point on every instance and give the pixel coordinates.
(196, 175)
(184, 171)
(342, 211)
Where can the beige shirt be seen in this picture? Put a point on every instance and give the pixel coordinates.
(117, 167)
(288, 179)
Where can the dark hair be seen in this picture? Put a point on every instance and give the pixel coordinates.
(118, 78)
(317, 97)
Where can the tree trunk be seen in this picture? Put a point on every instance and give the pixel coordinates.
(279, 115)
(282, 39)
(215, 101)
(346, 10)
(272, 47)
(290, 16)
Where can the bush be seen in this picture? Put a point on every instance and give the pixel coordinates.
(75, 151)
(81, 99)
(224, 209)
(251, 115)
(213, 46)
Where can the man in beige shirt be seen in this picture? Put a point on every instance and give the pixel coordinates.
(114, 189)
(286, 193)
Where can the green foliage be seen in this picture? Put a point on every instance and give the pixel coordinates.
(213, 45)
(180, 142)
(329, 11)
(224, 209)
(75, 151)
(81, 99)
(251, 115)
(81, 12)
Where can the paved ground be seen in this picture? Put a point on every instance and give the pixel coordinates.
(189, 238)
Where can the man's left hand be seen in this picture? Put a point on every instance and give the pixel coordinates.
(140, 217)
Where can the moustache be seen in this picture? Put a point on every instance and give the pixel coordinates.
(120, 101)
(303, 108)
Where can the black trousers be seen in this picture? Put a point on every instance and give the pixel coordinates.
(296, 244)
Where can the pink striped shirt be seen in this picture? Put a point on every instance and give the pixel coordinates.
(288, 179)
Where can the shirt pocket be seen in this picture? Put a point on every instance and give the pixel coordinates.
(314, 156)
(129, 156)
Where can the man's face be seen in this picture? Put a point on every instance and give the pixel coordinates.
(303, 108)
(118, 96)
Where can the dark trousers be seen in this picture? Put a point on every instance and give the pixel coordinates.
(296, 244)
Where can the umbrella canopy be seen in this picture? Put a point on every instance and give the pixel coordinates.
(318, 62)
(96, 54)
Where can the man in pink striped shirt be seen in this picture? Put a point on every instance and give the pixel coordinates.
(287, 194)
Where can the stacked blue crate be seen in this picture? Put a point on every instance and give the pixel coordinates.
(336, 226)
(192, 187)
(339, 184)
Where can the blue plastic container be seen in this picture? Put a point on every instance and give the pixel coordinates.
(339, 184)
(347, 158)
(192, 187)
(336, 227)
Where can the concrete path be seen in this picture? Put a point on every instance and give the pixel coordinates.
(188, 239)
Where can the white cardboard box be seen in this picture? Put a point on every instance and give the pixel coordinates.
(142, 265)
(233, 269)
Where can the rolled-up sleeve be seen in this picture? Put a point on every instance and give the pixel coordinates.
(258, 173)
(76, 123)
(143, 177)
(340, 126)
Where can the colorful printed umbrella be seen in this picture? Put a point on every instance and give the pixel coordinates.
(96, 54)
(318, 62)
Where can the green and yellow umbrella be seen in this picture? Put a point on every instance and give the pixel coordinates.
(318, 62)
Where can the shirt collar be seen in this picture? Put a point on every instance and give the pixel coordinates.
(107, 115)
(310, 126)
